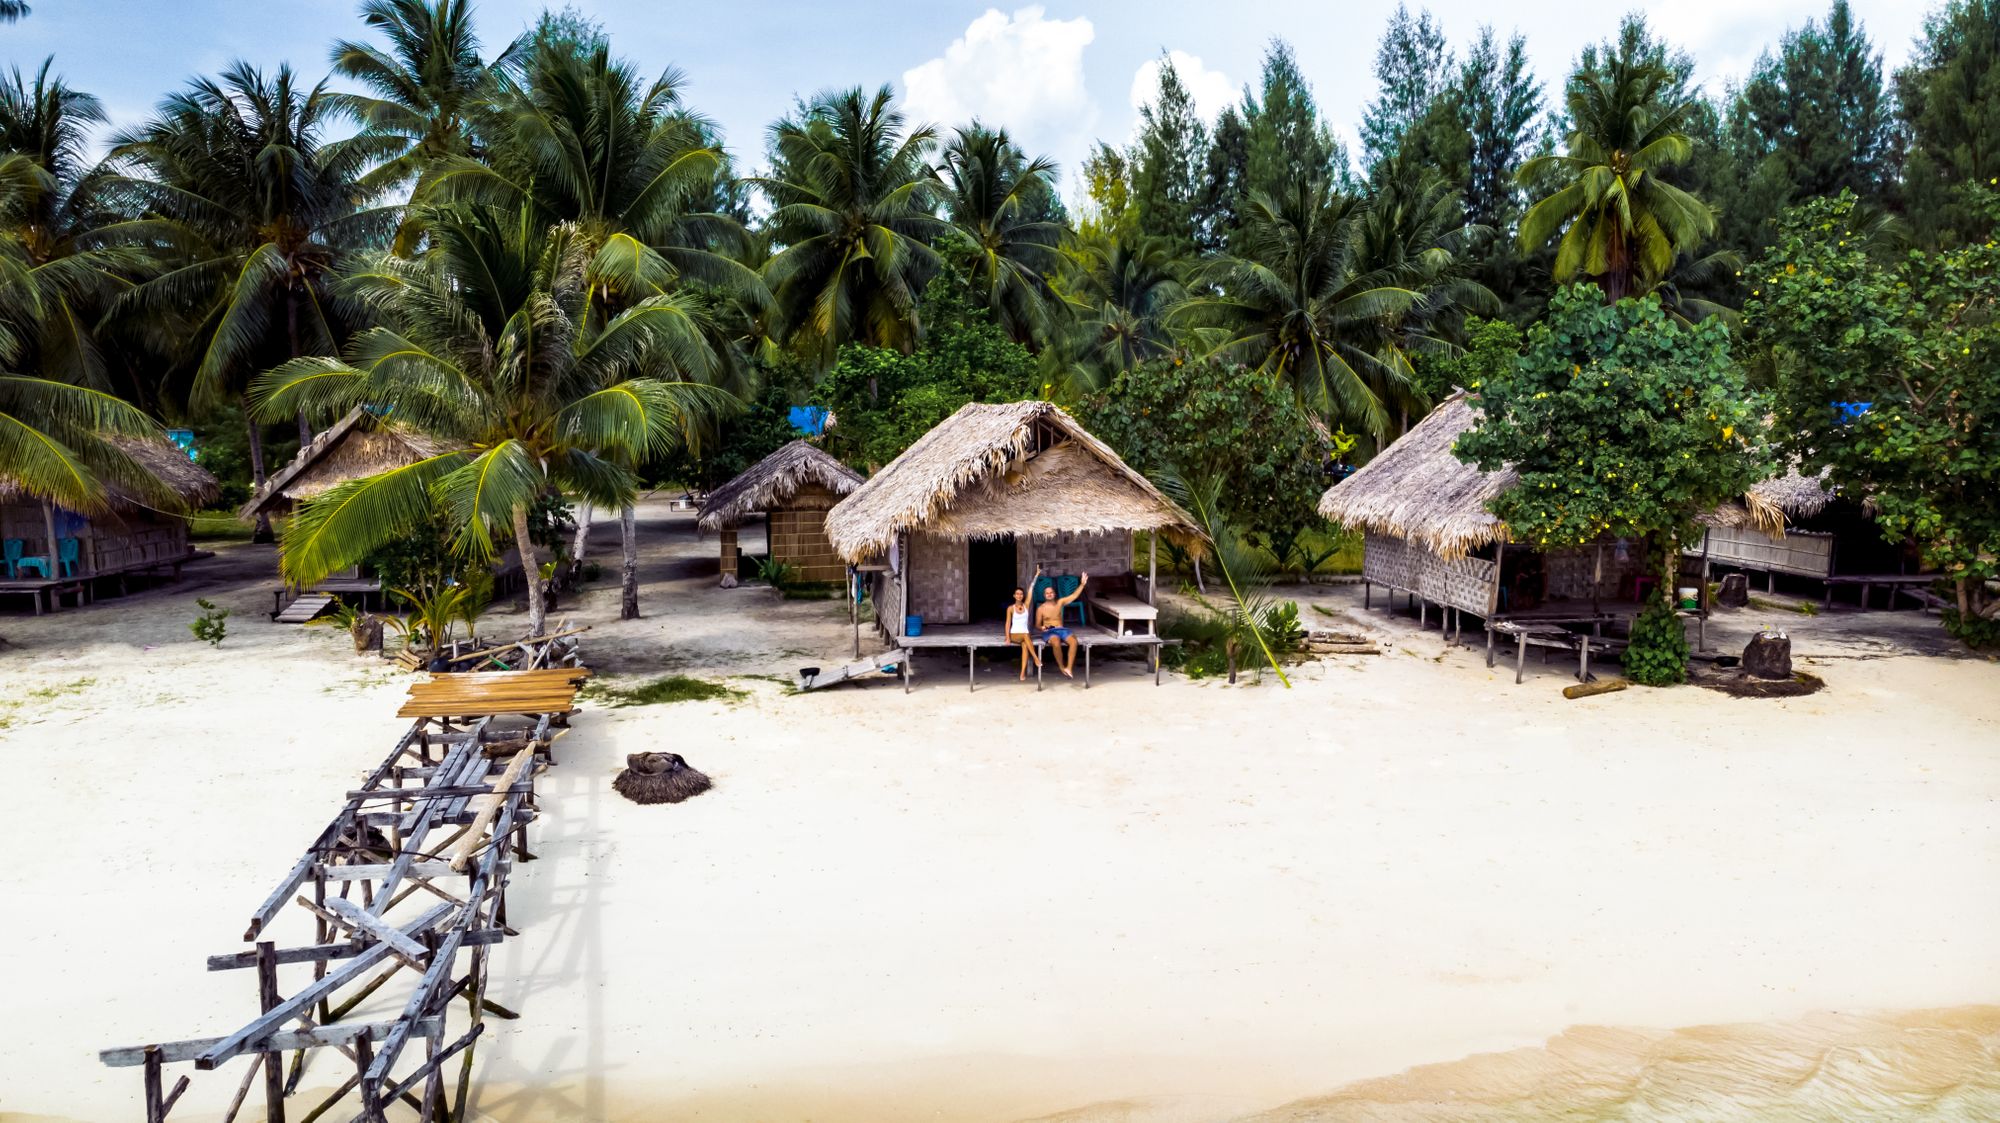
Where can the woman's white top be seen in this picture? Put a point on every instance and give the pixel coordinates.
(1017, 622)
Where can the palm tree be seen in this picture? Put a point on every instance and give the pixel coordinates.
(64, 261)
(1621, 223)
(12, 10)
(252, 210)
(1331, 297)
(584, 140)
(1118, 292)
(425, 91)
(852, 194)
(1004, 205)
(485, 342)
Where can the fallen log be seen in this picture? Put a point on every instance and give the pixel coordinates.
(1586, 689)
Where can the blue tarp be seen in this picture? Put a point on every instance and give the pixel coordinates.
(809, 420)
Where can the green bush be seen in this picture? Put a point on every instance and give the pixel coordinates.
(208, 626)
(1976, 632)
(1659, 650)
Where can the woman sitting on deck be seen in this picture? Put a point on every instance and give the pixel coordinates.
(1017, 631)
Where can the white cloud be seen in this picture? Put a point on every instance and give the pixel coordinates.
(1023, 73)
(1211, 89)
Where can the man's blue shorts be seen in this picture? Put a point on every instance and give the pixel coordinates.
(1049, 634)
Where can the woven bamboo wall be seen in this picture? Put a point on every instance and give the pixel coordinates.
(1105, 555)
(798, 536)
(938, 579)
(1462, 583)
(105, 544)
(1806, 553)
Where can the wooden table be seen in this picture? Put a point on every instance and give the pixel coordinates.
(1541, 635)
(1895, 582)
(1122, 608)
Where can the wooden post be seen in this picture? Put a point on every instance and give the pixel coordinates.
(155, 1112)
(267, 997)
(854, 605)
(902, 584)
(1152, 567)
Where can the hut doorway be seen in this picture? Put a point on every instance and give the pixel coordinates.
(991, 575)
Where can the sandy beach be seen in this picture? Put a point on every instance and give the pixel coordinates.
(1137, 903)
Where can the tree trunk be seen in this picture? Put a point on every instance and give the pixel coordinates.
(49, 528)
(1200, 585)
(292, 337)
(628, 526)
(263, 532)
(531, 572)
(582, 539)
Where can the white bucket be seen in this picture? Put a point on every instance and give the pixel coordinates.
(1687, 597)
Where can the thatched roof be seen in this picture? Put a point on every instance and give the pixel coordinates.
(1790, 496)
(358, 445)
(1023, 468)
(1418, 489)
(772, 481)
(160, 457)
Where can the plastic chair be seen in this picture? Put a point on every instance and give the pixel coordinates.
(18, 561)
(68, 553)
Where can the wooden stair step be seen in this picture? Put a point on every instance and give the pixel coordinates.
(305, 608)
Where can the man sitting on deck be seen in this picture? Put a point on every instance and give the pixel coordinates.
(1049, 621)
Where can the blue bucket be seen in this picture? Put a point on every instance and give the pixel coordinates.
(913, 625)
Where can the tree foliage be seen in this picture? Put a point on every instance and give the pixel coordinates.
(1619, 421)
(1885, 380)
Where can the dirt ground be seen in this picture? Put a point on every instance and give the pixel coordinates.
(1133, 903)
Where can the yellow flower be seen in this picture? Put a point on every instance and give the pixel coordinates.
(1728, 431)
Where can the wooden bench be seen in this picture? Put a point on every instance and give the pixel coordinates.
(1552, 636)
(1123, 609)
(1894, 582)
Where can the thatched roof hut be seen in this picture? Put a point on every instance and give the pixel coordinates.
(159, 457)
(773, 482)
(134, 536)
(360, 444)
(971, 510)
(1418, 490)
(988, 471)
(793, 488)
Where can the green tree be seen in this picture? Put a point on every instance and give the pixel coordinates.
(1885, 380)
(1499, 102)
(1107, 191)
(1413, 67)
(1620, 221)
(485, 341)
(1948, 94)
(852, 195)
(252, 209)
(1332, 293)
(1273, 136)
(882, 400)
(1003, 205)
(425, 90)
(1620, 420)
(1217, 420)
(1166, 163)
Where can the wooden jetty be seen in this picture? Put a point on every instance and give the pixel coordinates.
(406, 889)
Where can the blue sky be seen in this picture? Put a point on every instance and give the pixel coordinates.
(1057, 74)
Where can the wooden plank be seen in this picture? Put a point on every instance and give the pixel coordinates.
(376, 871)
(283, 1042)
(266, 1024)
(317, 952)
(374, 925)
(473, 837)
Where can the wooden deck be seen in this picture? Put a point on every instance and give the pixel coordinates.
(970, 638)
(82, 586)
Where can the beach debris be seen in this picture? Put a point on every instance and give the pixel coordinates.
(1769, 656)
(659, 778)
(1603, 686)
(1325, 642)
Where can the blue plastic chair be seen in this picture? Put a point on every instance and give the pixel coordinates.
(17, 561)
(68, 553)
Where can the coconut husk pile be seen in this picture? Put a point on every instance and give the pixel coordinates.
(659, 778)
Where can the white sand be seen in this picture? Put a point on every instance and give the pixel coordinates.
(1183, 902)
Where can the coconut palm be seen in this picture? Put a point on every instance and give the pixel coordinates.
(12, 10)
(1621, 224)
(1118, 292)
(852, 194)
(252, 210)
(583, 139)
(61, 256)
(1330, 298)
(425, 90)
(485, 342)
(1004, 205)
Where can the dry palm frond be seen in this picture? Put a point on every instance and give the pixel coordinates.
(659, 778)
